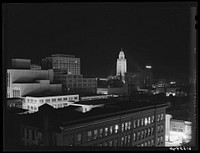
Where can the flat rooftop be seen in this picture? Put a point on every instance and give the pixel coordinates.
(70, 115)
(44, 94)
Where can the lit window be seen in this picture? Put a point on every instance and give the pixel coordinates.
(134, 136)
(111, 129)
(145, 121)
(138, 123)
(149, 131)
(116, 128)
(129, 125)
(129, 138)
(126, 126)
(158, 140)
(142, 144)
(95, 134)
(122, 141)
(149, 120)
(161, 117)
(100, 132)
(145, 143)
(122, 127)
(106, 131)
(158, 117)
(152, 119)
(142, 121)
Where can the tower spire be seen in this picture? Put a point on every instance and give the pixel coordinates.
(121, 49)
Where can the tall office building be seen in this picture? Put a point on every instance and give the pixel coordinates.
(64, 63)
(121, 65)
(147, 77)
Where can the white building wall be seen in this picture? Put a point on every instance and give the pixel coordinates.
(33, 88)
(33, 103)
(17, 75)
(24, 79)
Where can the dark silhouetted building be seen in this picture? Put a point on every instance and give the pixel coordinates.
(122, 123)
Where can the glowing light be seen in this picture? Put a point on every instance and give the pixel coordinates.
(145, 121)
(148, 67)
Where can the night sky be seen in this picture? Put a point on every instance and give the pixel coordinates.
(96, 32)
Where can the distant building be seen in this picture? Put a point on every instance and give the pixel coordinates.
(177, 131)
(35, 67)
(32, 103)
(115, 124)
(64, 63)
(14, 102)
(134, 81)
(76, 83)
(25, 81)
(21, 63)
(147, 77)
(121, 66)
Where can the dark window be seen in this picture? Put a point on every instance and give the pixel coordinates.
(122, 141)
(79, 138)
(116, 142)
(89, 135)
(33, 135)
(111, 143)
(95, 134)
(138, 135)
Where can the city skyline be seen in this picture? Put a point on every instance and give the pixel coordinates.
(95, 33)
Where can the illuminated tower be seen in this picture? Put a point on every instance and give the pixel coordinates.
(121, 65)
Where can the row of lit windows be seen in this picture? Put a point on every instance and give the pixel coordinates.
(16, 93)
(126, 140)
(143, 121)
(160, 117)
(147, 143)
(103, 132)
(160, 140)
(143, 133)
(160, 128)
(53, 99)
(177, 128)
